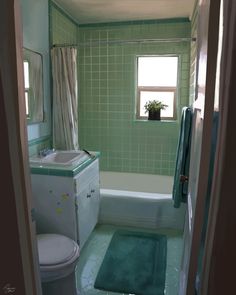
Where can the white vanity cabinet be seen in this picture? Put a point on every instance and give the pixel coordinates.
(87, 202)
(67, 205)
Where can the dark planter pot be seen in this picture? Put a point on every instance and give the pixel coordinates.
(154, 115)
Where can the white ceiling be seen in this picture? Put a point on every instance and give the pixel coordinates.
(100, 11)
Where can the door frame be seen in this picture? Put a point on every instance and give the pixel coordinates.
(19, 267)
(203, 107)
(220, 256)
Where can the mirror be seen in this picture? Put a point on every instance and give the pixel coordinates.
(33, 80)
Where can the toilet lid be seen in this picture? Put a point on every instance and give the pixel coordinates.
(55, 249)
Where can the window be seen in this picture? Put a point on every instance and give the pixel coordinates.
(157, 80)
(33, 86)
(27, 86)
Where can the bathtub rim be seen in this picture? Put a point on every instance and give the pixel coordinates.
(135, 195)
(140, 182)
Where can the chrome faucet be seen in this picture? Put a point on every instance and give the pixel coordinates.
(45, 152)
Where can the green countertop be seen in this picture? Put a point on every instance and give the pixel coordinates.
(68, 171)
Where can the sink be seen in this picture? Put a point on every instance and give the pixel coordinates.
(61, 158)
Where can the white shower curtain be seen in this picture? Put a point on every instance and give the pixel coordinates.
(65, 98)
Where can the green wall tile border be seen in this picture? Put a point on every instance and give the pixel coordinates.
(63, 11)
(68, 172)
(39, 140)
(137, 22)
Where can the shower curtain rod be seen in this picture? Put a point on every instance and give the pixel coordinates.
(102, 42)
(98, 42)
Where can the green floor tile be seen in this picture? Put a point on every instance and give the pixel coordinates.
(94, 251)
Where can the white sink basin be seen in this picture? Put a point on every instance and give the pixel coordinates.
(61, 158)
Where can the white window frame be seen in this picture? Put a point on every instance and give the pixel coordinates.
(27, 94)
(156, 89)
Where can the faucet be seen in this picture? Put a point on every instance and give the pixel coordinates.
(45, 152)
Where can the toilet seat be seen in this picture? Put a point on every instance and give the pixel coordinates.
(57, 256)
(55, 249)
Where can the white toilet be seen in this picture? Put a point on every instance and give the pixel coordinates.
(58, 256)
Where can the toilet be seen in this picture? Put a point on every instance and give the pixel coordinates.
(58, 256)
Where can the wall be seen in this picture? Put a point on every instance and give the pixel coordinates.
(193, 55)
(63, 29)
(107, 96)
(36, 37)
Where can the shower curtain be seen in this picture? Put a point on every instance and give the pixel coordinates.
(65, 98)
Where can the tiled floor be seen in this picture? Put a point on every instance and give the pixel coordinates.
(93, 253)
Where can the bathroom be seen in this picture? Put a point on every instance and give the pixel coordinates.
(107, 122)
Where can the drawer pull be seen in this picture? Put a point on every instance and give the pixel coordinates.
(88, 196)
(92, 190)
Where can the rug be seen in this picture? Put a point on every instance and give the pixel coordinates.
(135, 262)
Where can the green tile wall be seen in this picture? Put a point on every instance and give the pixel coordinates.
(63, 29)
(107, 96)
(38, 144)
(35, 25)
(193, 55)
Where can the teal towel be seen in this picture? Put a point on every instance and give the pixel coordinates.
(180, 189)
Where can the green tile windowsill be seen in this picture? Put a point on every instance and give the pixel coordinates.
(156, 121)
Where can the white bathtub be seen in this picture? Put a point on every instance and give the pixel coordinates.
(136, 182)
(139, 200)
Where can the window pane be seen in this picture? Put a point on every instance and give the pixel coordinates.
(163, 96)
(27, 103)
(26, 74)
(157, 71)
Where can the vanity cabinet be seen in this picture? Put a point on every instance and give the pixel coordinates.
(67, 205)
(87, 202)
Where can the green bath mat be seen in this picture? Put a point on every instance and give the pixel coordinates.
(134, 263)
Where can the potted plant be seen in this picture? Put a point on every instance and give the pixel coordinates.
(154, 107)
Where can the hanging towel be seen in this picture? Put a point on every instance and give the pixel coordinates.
(180, 187)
